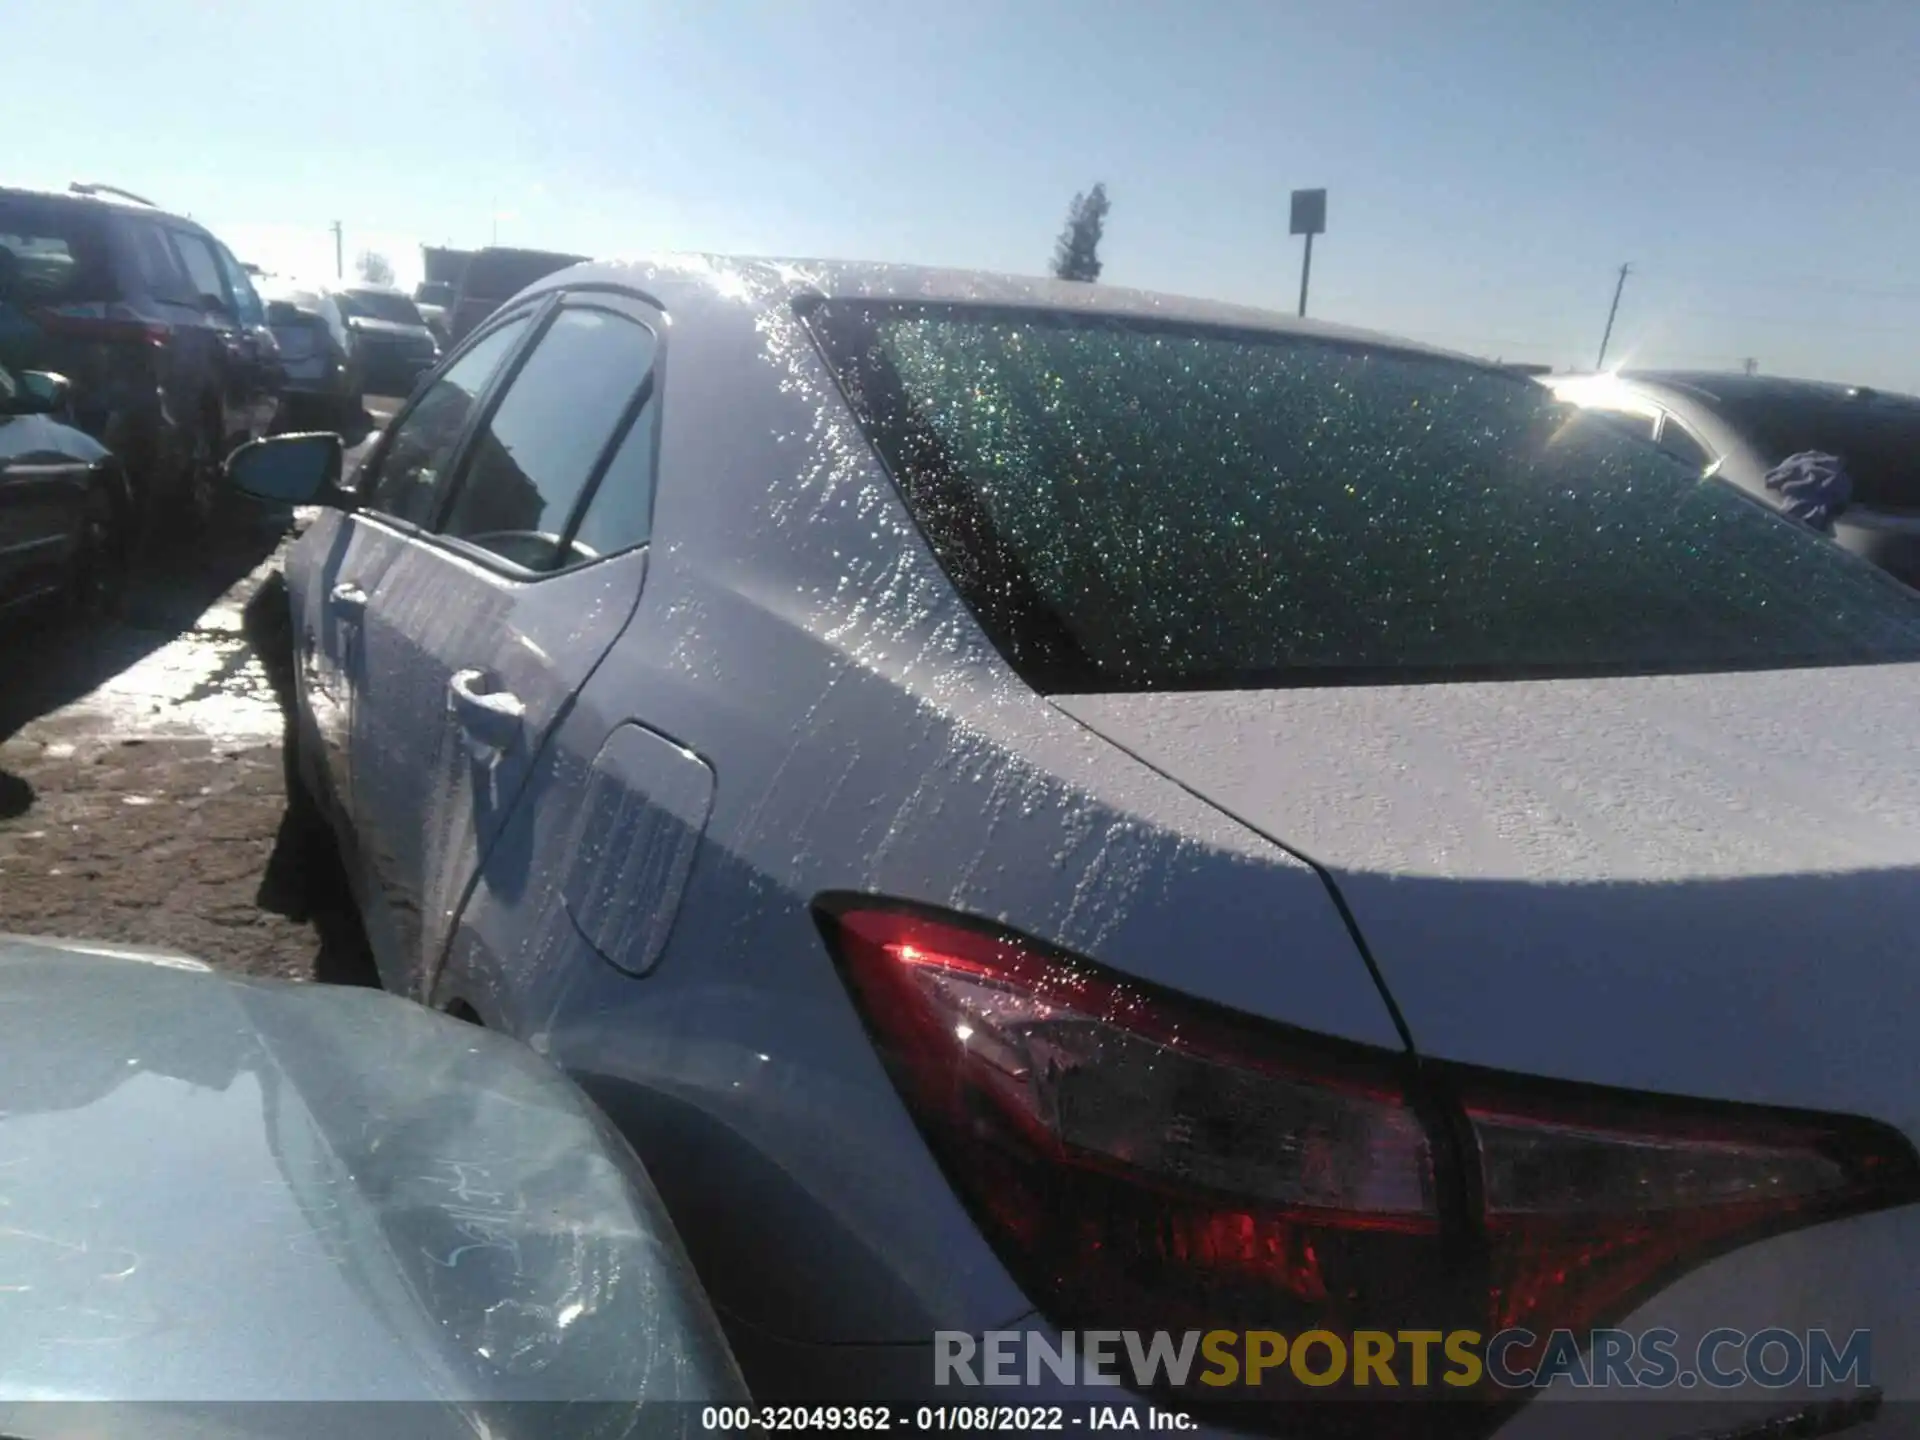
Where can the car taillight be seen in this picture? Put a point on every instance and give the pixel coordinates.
(1141, 1160)
(1591, 1203)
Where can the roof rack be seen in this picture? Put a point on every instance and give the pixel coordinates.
(80, 188)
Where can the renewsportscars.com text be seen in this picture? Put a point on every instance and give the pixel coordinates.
(1458, 1360)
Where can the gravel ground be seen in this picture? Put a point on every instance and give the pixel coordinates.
(141, 790)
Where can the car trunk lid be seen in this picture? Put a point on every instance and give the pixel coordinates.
(1704, 885)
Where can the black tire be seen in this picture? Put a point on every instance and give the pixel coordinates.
(98, 588)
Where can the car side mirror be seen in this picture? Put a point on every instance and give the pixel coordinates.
(40, 392)
(292, 470)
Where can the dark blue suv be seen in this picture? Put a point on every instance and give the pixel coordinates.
(155, 325)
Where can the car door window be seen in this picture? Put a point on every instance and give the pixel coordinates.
(159, 267)
(620, 515)
(422, 443)
(1680, 443)
(203, 269)
(539, 450)
(246, 301)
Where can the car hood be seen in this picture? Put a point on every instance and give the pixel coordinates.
(1704, 885)
(215, 1190)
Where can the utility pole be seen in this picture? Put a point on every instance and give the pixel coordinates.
(1620, 285)
(339, 252)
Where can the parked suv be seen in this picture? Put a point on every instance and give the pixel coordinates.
(155, 324)
(395, 345)
(324, 371)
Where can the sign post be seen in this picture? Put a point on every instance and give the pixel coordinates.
(1309, 219)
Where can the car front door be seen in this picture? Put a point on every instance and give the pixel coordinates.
(395, 491)
(481, 632)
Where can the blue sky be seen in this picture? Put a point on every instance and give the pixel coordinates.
(1490, 162)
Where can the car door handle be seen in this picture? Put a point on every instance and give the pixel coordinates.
(348, 598)
(491, 717)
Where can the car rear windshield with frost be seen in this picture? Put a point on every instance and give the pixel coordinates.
(1144, 505)
(1877, 437)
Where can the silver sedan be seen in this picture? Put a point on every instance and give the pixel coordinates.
(1048, 807)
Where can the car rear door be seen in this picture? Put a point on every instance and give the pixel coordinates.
(481, 632)
(395, 490)
(228, 356)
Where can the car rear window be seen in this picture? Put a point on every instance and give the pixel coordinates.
(380, 305)
(1878, 438)
(1149, 506)
(54, 253)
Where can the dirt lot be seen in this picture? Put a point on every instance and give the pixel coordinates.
(141, 791)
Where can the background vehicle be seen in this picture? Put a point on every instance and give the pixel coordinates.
(65, 508)
(1748, 424)
(225, 1190)
(325, 384)
(155, 324)
(494, 276)
(434, 299)
(394, 344)
(992, 784)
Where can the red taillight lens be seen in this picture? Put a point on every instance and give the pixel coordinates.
(1591, 1205)
(1144, 1161)
(1146, 1169)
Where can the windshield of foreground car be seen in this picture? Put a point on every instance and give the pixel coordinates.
(1148, 506)
(379, 305)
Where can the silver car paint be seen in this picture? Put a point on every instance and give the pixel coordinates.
(1701, 885)
(215, 1190)
(795, 635)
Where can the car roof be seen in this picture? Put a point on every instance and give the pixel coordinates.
(775, 280)
(1736, 387)
(104, 202)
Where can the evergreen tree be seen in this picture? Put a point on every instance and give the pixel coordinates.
(1076, 253)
